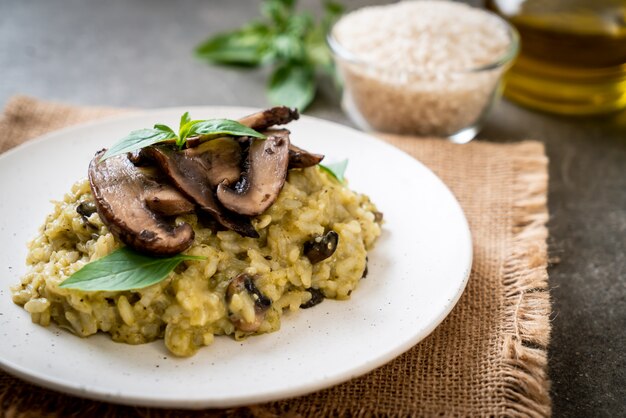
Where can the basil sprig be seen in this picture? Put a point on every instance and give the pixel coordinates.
(293, 44)
(124, 269)
(292, 84)
(336, 170)
(206, 129)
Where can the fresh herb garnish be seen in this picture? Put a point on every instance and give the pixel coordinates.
(337, 170)
(292, 84)
(293, 44)
(184, 119)
(212, 128)
(137, 140)
(206, 129)
(124, 269)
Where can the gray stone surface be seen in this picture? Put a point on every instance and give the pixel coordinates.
(138, 54)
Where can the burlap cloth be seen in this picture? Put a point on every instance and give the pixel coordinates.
(488, 358)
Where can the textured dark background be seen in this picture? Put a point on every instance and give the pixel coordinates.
(137, 53)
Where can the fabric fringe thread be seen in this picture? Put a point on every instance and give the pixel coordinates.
(527, 298)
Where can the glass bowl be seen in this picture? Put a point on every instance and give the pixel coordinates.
(435, 103)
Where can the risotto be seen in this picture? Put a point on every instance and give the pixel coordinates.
(241, 285)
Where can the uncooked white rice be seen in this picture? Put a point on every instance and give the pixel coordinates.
(407, 66)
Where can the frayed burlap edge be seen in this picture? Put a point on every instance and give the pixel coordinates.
(527, 298)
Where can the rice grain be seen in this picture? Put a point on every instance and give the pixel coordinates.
(417, 67)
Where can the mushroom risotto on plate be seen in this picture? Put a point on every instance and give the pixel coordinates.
(214, 229)
(200, 270)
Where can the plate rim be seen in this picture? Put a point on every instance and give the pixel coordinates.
(94, 394)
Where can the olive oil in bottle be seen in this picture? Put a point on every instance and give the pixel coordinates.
(573, 54)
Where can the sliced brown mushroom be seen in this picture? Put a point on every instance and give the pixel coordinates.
(244, 283)
(317, 297)
(138, 158)
(86, 209)
(196, 172)
(279, 115)
(167, 201)
(221, 158)
(163, 198)
(299, 158)
(119, 189)
(321, 247)
(260, 185)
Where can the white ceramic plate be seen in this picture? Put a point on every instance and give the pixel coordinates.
(417, 272)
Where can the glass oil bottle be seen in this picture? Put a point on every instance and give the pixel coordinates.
(573, 54)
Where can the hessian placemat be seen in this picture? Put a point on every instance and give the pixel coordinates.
(488, 358)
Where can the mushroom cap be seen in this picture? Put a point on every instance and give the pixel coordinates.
(196, 172)
(260, 185)
(245, 283)
(317, 297)
(279, 115)
(119, 189)
(299, 158)
(220, 158)
(320, 247)
(167, 201)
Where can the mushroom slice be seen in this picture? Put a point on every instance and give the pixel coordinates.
(321, 247)
(279, 115)
(86, 209)
(221, 158)
(119, 189)
(167, 201)
(260, 185)
(317, 297)
(243, 286)
(138, 158)
(299, 158)
(196, 172)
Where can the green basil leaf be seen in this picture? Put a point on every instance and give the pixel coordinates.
(292, 85)
(300, 25)
(318, 53)
(337, 170)
(289, 4)
(184, 119)
(278, 11)
(287, 47)
(164, 128)
(184, 130)
(124, 269)
(137, 140)
(217, 127)
(292, 41)
(317, 48)
(246, 46)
